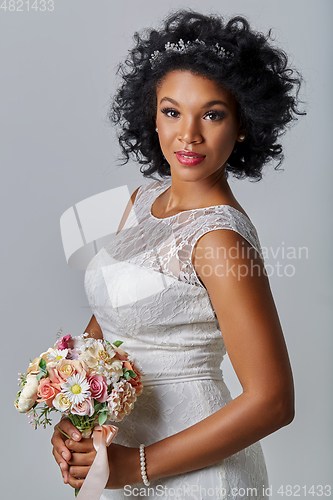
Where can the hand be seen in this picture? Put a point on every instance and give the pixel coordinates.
(124, 462)
(120, 460)
(61, 452)
(83, 455)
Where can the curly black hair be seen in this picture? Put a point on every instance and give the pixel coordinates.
(258, 76)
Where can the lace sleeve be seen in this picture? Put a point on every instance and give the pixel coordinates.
(219, 217)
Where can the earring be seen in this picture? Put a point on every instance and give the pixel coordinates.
(156, 129)
(241, 137)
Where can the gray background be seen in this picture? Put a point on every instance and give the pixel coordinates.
(57, 73)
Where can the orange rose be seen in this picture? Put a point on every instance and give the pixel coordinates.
(47, 391)
(120, 353)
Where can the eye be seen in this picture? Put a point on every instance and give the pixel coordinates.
(214, 115)
(171, 112)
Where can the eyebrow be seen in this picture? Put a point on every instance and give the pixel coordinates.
(207, 105)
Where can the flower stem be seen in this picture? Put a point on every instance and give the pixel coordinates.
(64, 433)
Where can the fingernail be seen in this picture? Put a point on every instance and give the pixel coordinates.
(76, 435)
(63, 455)
(62, 466)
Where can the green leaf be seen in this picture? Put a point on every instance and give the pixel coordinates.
(118, 343)
(98, 406)
(42, 364)
(42, 369)
(102, 417)
(132, 373)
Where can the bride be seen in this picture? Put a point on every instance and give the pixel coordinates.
(183, 281)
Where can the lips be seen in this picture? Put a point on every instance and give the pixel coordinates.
(189, 158)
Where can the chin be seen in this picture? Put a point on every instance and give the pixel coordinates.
(190, 174)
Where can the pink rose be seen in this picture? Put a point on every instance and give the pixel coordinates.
(76, 342)
(98, 387)
(84, 408)
(47, 391)
(63, 342)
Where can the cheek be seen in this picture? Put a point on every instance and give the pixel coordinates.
(225, 139)
(166, 138)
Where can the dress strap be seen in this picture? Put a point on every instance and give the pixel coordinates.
(227, 217)
(212, 219)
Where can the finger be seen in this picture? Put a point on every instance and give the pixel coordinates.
(60, 447)
(75, 483)
(84, 446)
(62, 464)
(78, 472)
(60, 461)
(58, 438)
(65, 425)
(65, 475)
(82, 459)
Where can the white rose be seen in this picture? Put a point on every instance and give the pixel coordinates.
(61, 403)
(28, 395)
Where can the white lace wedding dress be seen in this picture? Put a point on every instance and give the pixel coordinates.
(144, 291)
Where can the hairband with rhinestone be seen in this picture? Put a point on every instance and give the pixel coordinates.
(184, 47)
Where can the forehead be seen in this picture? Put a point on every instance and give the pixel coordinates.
(186, 87)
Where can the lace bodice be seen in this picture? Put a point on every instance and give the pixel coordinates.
(166, 245)
(144, 291)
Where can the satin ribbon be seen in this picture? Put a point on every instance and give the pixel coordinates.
(98, 475)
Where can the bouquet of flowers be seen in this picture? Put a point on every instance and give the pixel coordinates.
(88, 380)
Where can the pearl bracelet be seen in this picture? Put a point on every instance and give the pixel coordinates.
(143, 465)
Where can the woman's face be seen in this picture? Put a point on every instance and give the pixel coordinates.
(197, 125)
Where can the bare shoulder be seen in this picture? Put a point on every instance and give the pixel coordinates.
(127, 210)
(234, 276)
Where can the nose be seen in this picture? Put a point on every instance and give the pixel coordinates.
(190, 133)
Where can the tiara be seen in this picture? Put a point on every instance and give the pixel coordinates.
(184, 47)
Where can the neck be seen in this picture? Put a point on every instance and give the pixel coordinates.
(184, 195)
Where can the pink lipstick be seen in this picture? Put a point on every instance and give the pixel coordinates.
(189, 158)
